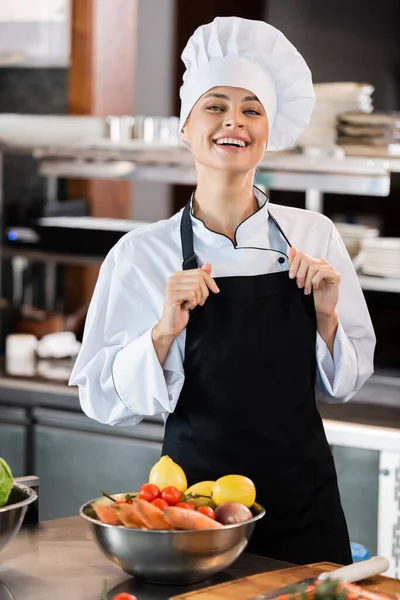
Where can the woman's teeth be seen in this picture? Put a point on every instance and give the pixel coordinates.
(231, 142)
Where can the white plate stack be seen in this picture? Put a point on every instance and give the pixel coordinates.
(377, 134)
(333, 99)
(353, 235)
(381, 257)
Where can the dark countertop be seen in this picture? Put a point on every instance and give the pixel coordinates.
(60, 560)
(36, 391)
(375, 415)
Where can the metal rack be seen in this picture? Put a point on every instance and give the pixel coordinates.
(277, 171)
(173, 164)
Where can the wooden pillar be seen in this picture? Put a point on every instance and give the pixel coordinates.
(191, 15)
(101, 83)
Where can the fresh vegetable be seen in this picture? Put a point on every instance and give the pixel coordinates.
(206, 504)
(106, 513)
(234, 488)
(130, 515)
(187, 505)
(330, 590)
(352, 592)
(128, 499)
(152, 516)
(166, 472)
(149, 492)
(232, 512)
(6, 482)
(120, 498)
(206, 510)
(131, 497)
(120, 596)
(160, 503)
(200, 493)
(185, 518)
(171, 495)
(107, 496)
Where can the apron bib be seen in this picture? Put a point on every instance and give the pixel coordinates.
(248, 407)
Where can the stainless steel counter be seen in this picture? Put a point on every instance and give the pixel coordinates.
(59, 560)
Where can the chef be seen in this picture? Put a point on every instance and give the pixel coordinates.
(232, 316)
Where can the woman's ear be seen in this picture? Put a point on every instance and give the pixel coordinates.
(184, 133)
(184, 136)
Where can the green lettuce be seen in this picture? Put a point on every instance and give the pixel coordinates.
(6, 482)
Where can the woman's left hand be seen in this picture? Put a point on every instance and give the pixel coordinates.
(318, 275)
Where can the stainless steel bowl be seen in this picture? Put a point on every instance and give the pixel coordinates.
(12, 515)
(5, 593)
(171, 556)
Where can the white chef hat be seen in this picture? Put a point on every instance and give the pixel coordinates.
(253, 55)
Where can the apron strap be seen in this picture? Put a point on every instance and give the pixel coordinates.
(189, 257)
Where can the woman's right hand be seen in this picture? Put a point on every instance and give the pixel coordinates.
(185, 290)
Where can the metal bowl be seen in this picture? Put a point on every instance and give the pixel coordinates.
(12, 515)
(171, 557)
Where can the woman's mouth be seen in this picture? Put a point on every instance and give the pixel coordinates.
(232, 144)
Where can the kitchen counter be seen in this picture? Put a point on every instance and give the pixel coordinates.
(39, 419)
(376, 404)
(36, 391)
(59, 560)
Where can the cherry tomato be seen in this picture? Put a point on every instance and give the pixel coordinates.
(149, 492)
(160, 503)
(124, 596)
(185, 505)
(206, 510)
(171, 495)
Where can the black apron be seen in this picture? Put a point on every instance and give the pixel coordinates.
(248, 407)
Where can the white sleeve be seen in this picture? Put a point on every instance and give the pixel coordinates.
(117, 371)
(341, 377)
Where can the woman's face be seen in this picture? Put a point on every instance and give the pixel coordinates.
(227, 129)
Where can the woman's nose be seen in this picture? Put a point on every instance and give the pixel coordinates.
(234, 119)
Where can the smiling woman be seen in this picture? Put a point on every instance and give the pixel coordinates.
(227, 132)
(227, 129)
(230, 317)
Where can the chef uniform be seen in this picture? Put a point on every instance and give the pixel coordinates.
(237, 389)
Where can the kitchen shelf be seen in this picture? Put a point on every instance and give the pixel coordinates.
(380, 284)
(174, 164)
(34, 63)
(99, 158)
(44, 256)
(373, 183)
(368, 283)
(314, 176)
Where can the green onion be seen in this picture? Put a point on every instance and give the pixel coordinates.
(108, 496)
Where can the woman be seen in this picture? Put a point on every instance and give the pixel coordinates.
(226, 317)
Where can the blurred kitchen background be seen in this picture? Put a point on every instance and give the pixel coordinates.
(89, 149)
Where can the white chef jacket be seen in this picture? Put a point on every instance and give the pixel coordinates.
(117, 370)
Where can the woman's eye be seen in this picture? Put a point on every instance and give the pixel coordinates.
(214, 108)
(251, 111)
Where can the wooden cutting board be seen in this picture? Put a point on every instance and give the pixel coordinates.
(243, 589)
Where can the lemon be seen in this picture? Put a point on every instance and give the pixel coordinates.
(234, 488)
(167, 472)
(202, 490)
